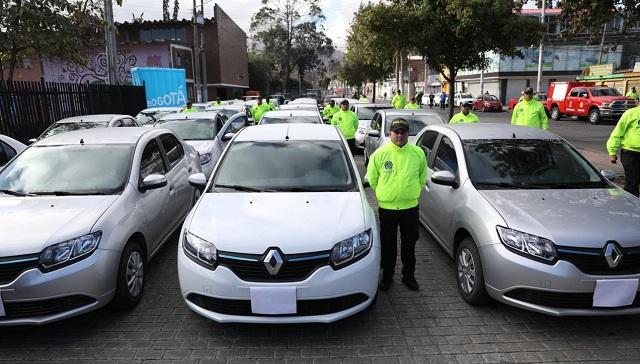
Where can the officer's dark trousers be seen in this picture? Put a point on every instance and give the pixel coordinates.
(631, 164)
(352, 145)
(407, 220)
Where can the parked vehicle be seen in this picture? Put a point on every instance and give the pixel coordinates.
(230, 109)
(365, 114)
(291, 117)
(529, 221)
(304, 100)
(148, 117)
(460, 98)
(9, 148)
(276, 179)
(541, 96)
(290, 106)
(377, 133)
(87, 122)
(82, 214)
(487, 103)
(586, 100)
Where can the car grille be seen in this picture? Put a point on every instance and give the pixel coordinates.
(12, 267)
(560, 299)
(304, 307)
(22, 309)
(622, 106)
(295, 267)
(592, 260)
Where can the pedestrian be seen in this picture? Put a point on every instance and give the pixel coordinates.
(443, 100)
(189, 107)
(217, 102)
(259, 109)
(412, 104)
(363, 98)
(419, 98)
(330, 110)
(465, 115)
(626, 136)
(397, 173)
(530, 112)
(385, 95)
(431, 97)
(347, 121)
(633, 94)
(398, 101)
(272, 107)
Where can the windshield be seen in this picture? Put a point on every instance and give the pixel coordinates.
(518, 163)
(605, 91)
(287, 166)
(366, 113)
(290, 120)
(59, 128)
(490, 98)
(416, 122)
(197, 129)
(150, 118)
(466, 96)
(69, 169)
(228, 112)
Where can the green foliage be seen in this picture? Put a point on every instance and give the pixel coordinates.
(259, 73)
(51, 28)
(592, 15)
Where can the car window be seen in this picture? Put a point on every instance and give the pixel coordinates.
(574, 93)
(446, 157)
(196, 129)
(129, 122)
(4, 158)
(117, 124)
(426, 144)
(219, 123)
(173, 149)
(375, 122)
(151, 161)
(236, 125)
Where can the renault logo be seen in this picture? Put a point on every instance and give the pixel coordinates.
(273, 261)
(612, 254)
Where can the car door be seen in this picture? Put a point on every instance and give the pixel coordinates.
(427, 143)
(572, 100)
(177, 178)
(232, 126)
(371, 143)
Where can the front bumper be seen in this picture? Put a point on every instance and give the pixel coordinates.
(35, 298)
(325, 284)
(560, 289)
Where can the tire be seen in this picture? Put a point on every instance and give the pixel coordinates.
(594, 116)
(469, 274)
(555, 113)
(132, 263)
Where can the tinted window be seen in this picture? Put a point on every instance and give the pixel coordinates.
(416, 122)
(446, 157)
(65, 127)
(6, 153)
(427, 143)
(151, 162)
(199, 129)
(605, 91)
(574, 92)
(3, 157)
(517, 163)
(173, 148)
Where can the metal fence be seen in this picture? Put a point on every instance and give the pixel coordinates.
(27, 108)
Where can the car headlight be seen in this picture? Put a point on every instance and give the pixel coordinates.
(205, 158)
(69, 251)
(606, 104)
(528, 245)
(350, 250)
(200, 250)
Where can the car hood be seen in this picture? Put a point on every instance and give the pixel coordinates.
(294, 222)
(202, 146)
(30, 224)
(578, 218)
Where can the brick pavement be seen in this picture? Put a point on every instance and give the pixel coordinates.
(432, 325)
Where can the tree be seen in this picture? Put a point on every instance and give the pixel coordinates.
(592, 15)
(291, 35)
(259, 73)
(51, 28)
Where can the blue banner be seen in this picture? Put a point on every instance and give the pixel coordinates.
(165, 87)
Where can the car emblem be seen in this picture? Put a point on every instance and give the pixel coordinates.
(273, 262)
(612, 254)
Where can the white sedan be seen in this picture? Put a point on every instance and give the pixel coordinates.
(283, 233)
(9, 148)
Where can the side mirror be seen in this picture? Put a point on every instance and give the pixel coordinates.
(153, 181)
(444, 178)
(608, 174)
(32, 140)
(374, 133)
(198, 180)
(227, 137)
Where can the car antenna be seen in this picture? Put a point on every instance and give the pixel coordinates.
(286, 137)
(514, 135)
(81, 141)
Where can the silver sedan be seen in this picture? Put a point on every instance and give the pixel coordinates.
(529, 221)
(81, 214)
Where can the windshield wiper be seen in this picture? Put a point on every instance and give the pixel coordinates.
(244, 188)
(15, 193)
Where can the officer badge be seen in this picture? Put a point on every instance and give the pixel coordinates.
(388, 165)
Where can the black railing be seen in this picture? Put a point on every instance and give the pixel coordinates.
(27, 108)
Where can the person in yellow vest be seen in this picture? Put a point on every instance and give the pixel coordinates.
(189, 107)
(398, 100)
(217, 102)
(465, 115)
(397, 172)
(363, 98)
(626, 136)
(272, 107)
(530, 112)
(633, 94)
(347, 121)
(258, 110)
(412, 104)
(330, 110)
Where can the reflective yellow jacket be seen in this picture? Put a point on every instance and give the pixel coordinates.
(462, 118)
(626, 134)
(347, 122)
(530, 113)
(398, 102)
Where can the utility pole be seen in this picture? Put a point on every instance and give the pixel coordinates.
(205, 88)
(540, 55)
(196, 56)
(110, 43)
(604, 30)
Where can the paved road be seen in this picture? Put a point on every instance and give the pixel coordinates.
(432, 325)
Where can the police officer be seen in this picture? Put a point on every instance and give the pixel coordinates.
(626, 135)
(259, 109)
(189, 107)
(217, 102)
(272, 107)
(398, 100)
(347, 121)
(412, 104)
(633, 94)
(363, 98)
(530, 112)
(465, 115)
(397, 172)
(330, 110)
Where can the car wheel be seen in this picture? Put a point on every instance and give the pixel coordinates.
(555, 113)
(469, 274)
(130, 283)
(594, 116)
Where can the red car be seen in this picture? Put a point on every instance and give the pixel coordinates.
(487, 103)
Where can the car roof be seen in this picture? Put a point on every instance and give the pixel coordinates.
(190, 115)
(304, 100)
(467, 131)
(371, 104)
(97, 118)
(292, 112)
(280, 132)
(97, 136)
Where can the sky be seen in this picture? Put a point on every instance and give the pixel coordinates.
(338, 13)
